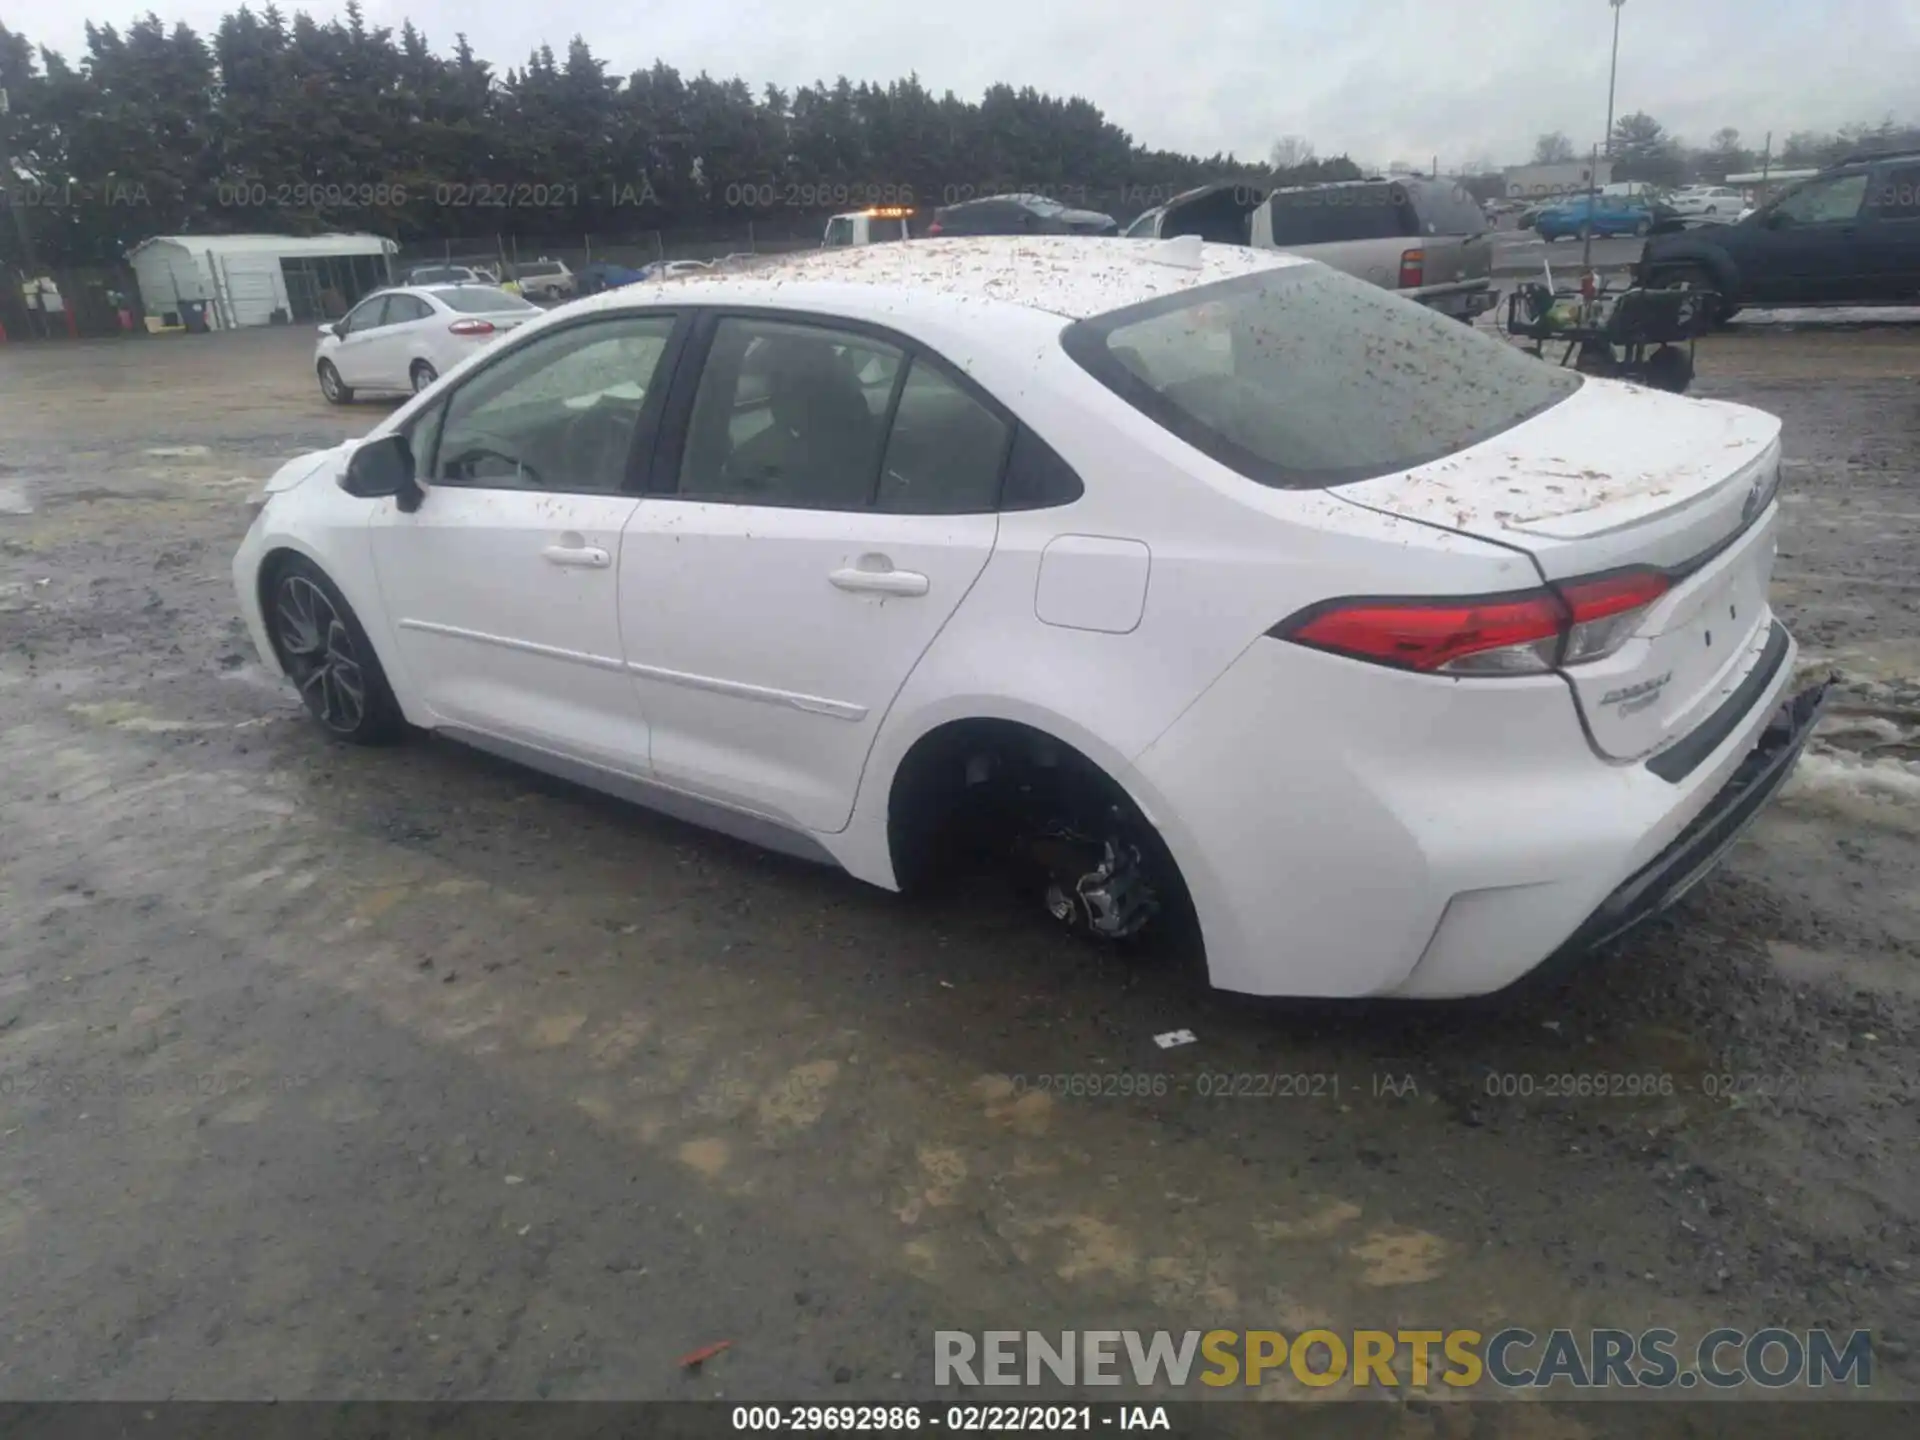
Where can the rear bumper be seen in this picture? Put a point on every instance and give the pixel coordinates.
(1700, 847)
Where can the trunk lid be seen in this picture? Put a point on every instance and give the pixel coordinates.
(1619, 476)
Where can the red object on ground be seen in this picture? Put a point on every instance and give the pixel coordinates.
(704, 1354)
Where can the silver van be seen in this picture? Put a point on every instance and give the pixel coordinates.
(1426, 238)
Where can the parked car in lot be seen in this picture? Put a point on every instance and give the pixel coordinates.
(406, 338)
(543, 279)
(1427, 239)
(1139, 562)
(1602, 215)
(445, 275)
(1848, 236)
(1018, 215)
(1707, 202)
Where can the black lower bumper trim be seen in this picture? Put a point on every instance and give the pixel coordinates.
(1700, 847)
(1680, 760)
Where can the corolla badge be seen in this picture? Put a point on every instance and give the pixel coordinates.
(1634, 698)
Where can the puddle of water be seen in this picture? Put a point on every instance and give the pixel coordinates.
(14, 499)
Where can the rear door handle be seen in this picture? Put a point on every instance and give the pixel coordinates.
(585, 557)
(879, 582)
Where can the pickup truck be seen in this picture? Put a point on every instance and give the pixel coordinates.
(1426, 238)
(867, 227)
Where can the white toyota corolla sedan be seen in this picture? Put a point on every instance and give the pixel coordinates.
(1200, 580)
(405, 338)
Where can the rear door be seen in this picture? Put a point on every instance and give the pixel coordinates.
(831, 496)
(401, 336)
(1891, 234)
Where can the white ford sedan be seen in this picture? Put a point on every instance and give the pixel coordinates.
(1205, 582)
(407, 337)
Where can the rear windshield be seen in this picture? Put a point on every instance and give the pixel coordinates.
(1301, 377)
(1330, 214)
(480, 300)
(439, 275)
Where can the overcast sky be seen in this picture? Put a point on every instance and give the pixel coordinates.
(1383, 79)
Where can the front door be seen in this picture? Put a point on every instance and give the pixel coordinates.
(834, 496)
(1806, 249)
(502, 586)
(357, 356)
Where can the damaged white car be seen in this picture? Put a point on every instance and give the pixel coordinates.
(1206, 581)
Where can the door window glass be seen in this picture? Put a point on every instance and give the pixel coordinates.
(402, 308)
(1825, 202)
(945, 451)
(367, 315)
(558, 413)
(790, 415)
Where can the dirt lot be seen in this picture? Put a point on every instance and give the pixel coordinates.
(338, 1073)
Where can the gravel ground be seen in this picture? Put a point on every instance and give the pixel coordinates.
(406, 1074)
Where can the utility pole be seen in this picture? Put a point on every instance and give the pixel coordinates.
(1613, 72)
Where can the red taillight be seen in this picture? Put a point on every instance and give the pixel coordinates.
(934, 228)
(1524, 633)
(1431, 634)
(1413, 268)
(471, 327)
(1605, 610)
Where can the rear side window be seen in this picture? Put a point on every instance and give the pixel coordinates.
(1326, 215)
(1448, 209)
(944, 451)
(1300, 377)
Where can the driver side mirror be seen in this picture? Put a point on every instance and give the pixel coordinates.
(384, 467)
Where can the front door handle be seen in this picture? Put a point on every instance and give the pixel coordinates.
(879, 582)
(586, 557)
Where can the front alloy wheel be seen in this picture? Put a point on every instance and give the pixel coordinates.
(321, 656)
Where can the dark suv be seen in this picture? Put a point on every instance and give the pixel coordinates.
(1848, 236)
(1018, 215)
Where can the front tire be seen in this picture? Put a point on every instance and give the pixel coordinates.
(423, 375)
(325, 651)
(332, 386)
(1697, 277)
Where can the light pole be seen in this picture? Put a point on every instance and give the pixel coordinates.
(1613, 71)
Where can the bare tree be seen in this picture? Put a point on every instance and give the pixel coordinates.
(1553, 149)
(1290, 152)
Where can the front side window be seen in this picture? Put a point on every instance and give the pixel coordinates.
(839, 231)
(558, 413)
(1824, 201)
(367, 315)
(789, 414)
(1300, 377)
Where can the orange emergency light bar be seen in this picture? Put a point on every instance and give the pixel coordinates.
(890, 212)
